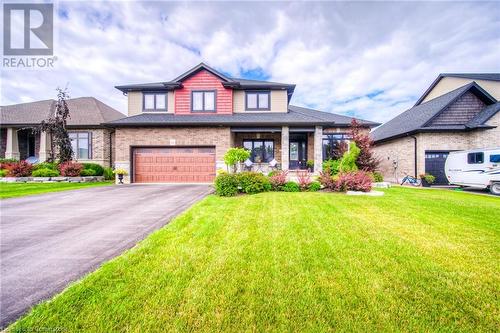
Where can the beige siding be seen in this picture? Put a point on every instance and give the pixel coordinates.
(135, 102)
(447, 84)
(279, 101)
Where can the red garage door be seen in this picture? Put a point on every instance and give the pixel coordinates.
(174, 165)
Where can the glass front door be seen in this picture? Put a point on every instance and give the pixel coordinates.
(298, 154)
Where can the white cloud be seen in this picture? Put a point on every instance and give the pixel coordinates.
(371, 60)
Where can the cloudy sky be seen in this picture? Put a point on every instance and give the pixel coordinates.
(367, 59)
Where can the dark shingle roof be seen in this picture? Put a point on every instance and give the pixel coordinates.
(295, 116)
(416, 118)
(234, 83)
(84, 111)
(471, 76)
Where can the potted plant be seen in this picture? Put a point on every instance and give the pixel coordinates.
(120, 173)
(427, 179)
(310, 165)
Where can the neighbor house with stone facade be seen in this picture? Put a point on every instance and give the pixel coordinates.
(457, 112)
(91, 140)
(179, 130)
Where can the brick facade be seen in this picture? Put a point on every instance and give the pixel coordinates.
(402, 149)
(203, 80)
(101, 146)
(220, 137)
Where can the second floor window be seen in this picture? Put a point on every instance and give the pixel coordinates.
(155, 102)
(203, 101)
(81, 142)
(258, 100)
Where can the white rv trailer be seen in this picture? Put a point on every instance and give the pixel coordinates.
(478, 168)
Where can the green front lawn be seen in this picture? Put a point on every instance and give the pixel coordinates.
(11, 190)
(412, 260)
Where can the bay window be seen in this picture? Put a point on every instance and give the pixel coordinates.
(261, 151)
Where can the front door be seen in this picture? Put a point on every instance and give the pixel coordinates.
(298, 154)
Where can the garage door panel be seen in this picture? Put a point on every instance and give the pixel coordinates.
(174, 165)
(434, 165)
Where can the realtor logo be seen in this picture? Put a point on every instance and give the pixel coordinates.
(28, 29)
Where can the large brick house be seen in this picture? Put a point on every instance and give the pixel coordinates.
(179, 130)
(457, 112)
(91, 140)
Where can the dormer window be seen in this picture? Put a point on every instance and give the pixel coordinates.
(258, 100)
(203, 101)
(155, 102)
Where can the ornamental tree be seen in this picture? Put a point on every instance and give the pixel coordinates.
(365, 160)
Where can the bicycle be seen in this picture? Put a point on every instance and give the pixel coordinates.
(411, 180)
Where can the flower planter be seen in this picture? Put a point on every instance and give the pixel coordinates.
(425, 183)
(120, 178)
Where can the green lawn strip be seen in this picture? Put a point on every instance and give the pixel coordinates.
(412, 260)
(11, 190)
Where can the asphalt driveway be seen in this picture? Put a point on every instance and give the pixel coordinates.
(50, 240)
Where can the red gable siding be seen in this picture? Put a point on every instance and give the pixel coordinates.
(203, 80)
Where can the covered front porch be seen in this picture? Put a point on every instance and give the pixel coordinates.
(281, 148)
(21, 143)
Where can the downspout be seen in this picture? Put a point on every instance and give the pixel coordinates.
(111, 149)
(415, 153)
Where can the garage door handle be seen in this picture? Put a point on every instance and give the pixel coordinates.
(175, 168)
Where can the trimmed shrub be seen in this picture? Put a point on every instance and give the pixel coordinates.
(45, 172)
(20, 169)
(3, 173)
(253, 182)
(331, 166)
(70, 169)
(353, 181)
(278, 179)
(348, 161)
(314, 187)
(304, 180)
(99, 170)
(235, 155)
(291, 187)
(108, 174)
(45, 165)
(377, 177)
(325, 179)
(87, 173)
(226, 185)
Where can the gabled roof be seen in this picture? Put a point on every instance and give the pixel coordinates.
(235, 83)
(297, 116)
(84, 111)
(416, 119)
(471, 76)
(198, 68)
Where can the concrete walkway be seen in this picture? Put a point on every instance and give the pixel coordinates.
(50, 240)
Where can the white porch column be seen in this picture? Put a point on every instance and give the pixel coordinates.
(285, 147)
(12, 147)
(318, 149)
(44, 147)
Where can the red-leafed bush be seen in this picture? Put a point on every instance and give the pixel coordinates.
(352, 181)
(325, 179)
(19, 169)
(304, 180)
(70, 169)
(365, 160)
(278, 179)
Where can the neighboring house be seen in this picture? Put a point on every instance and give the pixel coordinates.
(457, 112)
(92, 142)
(179, 131)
